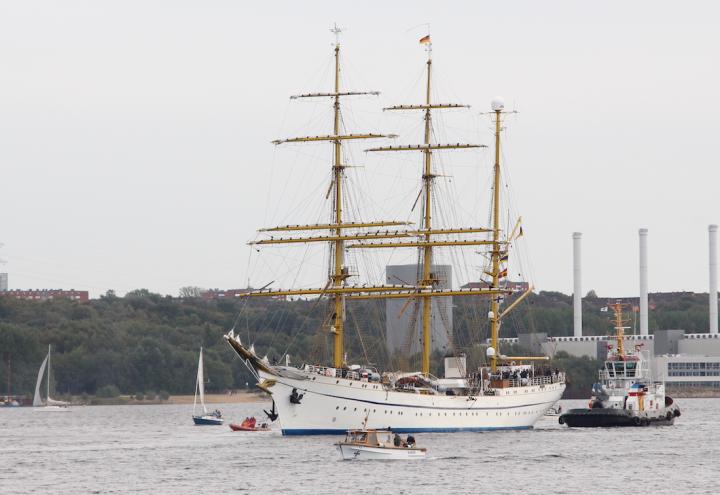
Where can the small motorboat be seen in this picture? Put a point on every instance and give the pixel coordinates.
(249, 424)
(378, 444)
(554, 410)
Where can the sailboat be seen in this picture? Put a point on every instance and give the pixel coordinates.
(49, 404)
(206, 418)
(508, 393)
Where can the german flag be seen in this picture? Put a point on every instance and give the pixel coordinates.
(425, 40)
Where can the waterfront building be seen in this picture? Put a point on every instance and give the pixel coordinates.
(47, 294)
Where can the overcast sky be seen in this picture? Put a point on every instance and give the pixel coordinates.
(135, 136)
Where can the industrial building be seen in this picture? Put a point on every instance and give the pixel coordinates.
(682, 360)
(403, 317)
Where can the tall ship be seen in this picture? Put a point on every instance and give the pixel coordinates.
(626, 393)
(330, 398)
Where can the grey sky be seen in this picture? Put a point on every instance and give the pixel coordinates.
(135, 136)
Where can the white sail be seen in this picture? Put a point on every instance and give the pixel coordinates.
(37, 400)
(200, 385)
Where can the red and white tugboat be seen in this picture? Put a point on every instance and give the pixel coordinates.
(626, 394)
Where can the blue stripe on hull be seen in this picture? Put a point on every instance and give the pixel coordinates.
(297, 432)
(207, 422)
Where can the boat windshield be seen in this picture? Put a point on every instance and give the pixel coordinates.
(620, 369)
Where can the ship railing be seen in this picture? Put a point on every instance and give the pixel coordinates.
(536, 380)
(323, 370)
(332, 372)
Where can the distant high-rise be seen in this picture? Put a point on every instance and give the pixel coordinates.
(3, 282)
(403, 317)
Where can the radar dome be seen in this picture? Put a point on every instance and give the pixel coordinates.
(490, 352)
(498, 104)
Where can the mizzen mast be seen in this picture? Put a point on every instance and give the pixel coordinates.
(497, 252)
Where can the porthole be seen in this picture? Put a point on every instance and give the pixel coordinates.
(337, 407)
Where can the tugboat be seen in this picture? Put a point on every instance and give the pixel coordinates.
(626, 394)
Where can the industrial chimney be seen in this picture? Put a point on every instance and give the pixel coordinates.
(643, 282)
(712, 231)
(577, 285)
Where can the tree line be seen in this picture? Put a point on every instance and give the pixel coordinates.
(147, 342)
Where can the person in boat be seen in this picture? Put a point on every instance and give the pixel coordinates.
(410, 442)
(397, 441)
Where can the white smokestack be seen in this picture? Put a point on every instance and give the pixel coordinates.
(643, 283)
(712, 230)
(577, 285)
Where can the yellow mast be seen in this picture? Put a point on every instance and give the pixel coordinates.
(619, 328)
(337, 275)
(337, 288)
(496, 251)
(427, 279)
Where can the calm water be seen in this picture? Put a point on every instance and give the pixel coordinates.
(156, 449)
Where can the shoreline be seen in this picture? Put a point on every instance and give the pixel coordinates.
(129, 400)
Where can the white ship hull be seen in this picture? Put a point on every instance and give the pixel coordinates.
(332, 405)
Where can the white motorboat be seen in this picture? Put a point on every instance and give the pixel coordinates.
(378, 444)
(554, 410)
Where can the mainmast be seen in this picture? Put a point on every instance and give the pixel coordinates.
(338, 326)
(427, 278)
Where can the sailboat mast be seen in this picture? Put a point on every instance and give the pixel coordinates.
(337, 272)
(495, 304)
(427, 250)
(48, 382)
